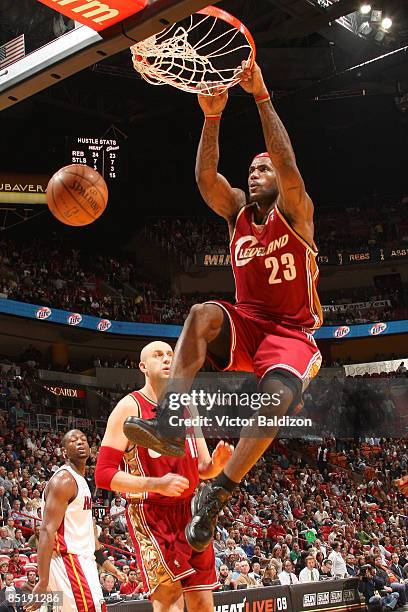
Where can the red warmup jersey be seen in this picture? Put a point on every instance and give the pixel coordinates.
(146, 462)
(275, 271)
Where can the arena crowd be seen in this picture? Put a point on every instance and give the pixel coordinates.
(306, 509)
(115, 288)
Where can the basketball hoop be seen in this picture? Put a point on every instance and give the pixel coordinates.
(202, 53)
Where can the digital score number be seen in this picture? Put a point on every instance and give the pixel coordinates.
(102, 154)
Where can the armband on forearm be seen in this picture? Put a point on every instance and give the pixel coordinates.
(107, 466)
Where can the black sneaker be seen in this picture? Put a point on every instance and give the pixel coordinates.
(206, 504)
(149, 433)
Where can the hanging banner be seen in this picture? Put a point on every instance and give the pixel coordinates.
(97, 15)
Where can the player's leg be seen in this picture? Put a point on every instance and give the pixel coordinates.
(284, 361)
(285, 389)
(168, 598)
(212, 498)
(205, 328)
(199, 600)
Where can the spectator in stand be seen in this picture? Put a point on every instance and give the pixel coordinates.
(7, 591)
(10, 527)
(287, 576)
(339, 569)
(270, 576)
(326, 569)
(29, 511)
(117, 513)
(4, 505)
(244, 579)
(391, 581)
(309, 573)
(295, 552)
(105, 536)
(352, 569)
(34, 538)
(15, 566)
(396, 568)
(370, 586)
(219, 545)
(133, 586)
(20, 542)
(3, 570)
(256, 572)
(6, 543)
(225, 578)
(31, 582)
(109, 587)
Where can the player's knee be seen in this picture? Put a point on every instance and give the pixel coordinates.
(206, 319)
(168, 598)
(199, 600)
(285, 391)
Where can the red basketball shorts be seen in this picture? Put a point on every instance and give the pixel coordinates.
(163, 554)
(260, 346)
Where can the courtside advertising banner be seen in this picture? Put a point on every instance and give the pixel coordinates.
(94, 14)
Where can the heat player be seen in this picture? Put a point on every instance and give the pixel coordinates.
(68, 551)
(269, 329)
(160, 491)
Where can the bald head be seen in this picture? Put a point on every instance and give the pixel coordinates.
(152, 347)
(155, 361)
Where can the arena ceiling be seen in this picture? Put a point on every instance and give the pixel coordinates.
(340, 107)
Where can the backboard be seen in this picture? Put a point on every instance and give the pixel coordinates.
(57, 46)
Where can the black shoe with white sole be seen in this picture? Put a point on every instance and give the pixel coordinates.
(206, 505)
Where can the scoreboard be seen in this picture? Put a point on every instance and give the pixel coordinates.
(102, 154)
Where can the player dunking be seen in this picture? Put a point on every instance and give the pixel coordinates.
(68, 550)
(160, 490)
(269, 329)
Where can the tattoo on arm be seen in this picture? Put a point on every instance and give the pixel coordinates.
(208, 150)
(276, 137)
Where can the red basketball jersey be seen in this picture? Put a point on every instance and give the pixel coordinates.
(275, 271)
(146, 462)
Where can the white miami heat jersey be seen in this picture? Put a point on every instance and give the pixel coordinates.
(75, 535)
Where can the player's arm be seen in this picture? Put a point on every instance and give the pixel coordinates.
(294, 201)
(60, 491)
(225, 200)
(108, 474)
(209, 466)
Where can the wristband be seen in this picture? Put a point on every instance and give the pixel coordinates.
(263, 98)
(213, 117)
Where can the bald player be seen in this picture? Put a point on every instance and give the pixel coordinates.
(160, 490)
(68, 551)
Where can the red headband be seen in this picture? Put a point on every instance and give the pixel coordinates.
(261, 155)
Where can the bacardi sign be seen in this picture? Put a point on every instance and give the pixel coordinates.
(66, 392)
(94, 14)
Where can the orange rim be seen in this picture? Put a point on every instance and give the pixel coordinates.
(213, 11)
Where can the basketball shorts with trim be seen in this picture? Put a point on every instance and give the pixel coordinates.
(259, 346)
(163, 553)
(77, 578)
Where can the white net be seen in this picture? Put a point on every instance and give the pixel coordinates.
(204, 51)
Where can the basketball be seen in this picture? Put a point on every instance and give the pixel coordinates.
(77, 195)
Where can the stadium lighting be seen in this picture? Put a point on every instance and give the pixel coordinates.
(365, 8)
(365, 29)
(386, 23)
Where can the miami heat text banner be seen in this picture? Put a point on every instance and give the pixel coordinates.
(340, 258)
(94, 14)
